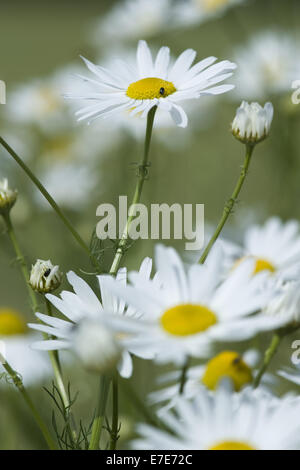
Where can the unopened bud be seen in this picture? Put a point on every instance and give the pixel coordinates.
(252, 123)
(8, 197)
(45, 277)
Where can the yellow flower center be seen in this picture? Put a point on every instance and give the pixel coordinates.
(227, 364)
(187, 319)
(11, 323)
(232, 445)
(261, 264)
(150, 88)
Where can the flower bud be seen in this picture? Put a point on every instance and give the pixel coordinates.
(45, 277)
(252, 123)
(8, 197)
(96, 346)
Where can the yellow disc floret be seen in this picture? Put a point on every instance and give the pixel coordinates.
(150, 88)
(263, 265)
(187, 319)
(232, 445)
(11, 323)
(227, 364)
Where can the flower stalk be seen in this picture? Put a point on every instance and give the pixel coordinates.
(269, 354)
(142, 175)
(45, 193)
(38, 419)
(230, 203)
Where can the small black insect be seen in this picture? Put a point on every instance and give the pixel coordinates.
(237, 360)
(46, 273)
(162, 91)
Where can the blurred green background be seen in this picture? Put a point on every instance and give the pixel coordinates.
(38, 37)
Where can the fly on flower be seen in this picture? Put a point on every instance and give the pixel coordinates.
(153, 83)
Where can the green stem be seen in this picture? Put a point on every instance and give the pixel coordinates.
(100, 413)
(21, 260)
(45, 193)
(184, 375)
(54, 358)
(114, 434)
(270, 352)
(39, 420)
(230, 203)
(142, 175)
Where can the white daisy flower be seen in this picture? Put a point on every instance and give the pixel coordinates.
(239, 369)
(153, 83)
(274, 56)
(190, 12)
(82, 307)
(250, 420)
(132, 19)
(275, 247)
(194, 308)
(252, 123)
(70, 183)
(15, 347)
(165, 131)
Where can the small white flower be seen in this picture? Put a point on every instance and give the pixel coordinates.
(132, 19)
(70, 183)
(45, 277)
(252, 123)
(153, 83)
(84, 306)
(267, 65)
(8, 196)
(190, 12)
(15, 347)
(239, 369)
(275, 247)
(96, 346)
(194, 308)
(250, 420)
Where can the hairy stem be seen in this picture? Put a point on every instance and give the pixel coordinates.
(230, 203)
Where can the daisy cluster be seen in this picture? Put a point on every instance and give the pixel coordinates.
(199, 313)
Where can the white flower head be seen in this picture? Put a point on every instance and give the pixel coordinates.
(96, 346)
(45, 277)
(190, 12)
(250, 420)
(252, 123)
(8, 196)
(238, 368)
(15, 342)
(153, 83)
(132, 19)
(275, 247)
(84, 308)
(267, 65)
(194, 308)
